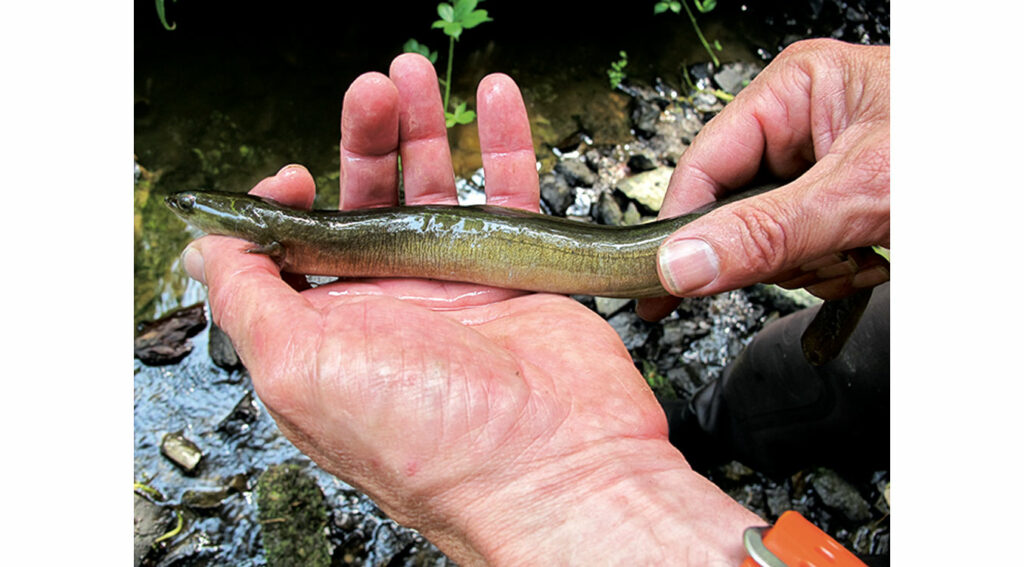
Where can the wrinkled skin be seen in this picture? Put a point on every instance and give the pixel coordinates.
(817, 115)
(506, 427)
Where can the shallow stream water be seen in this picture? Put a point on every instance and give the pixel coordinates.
(231, 95)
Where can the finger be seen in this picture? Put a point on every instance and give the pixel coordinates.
(768, 124)
(836, 280)
(510, 163)
(292, 186)
(838, 288)
(435, 295)
(249, 301)
(656, 308)
(839, 204)
(423, 137)
(369, 143)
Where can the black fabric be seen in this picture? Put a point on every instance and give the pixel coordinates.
(775, 412)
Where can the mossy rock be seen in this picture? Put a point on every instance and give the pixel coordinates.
(293, 518)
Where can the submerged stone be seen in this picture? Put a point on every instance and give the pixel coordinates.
(293, 517)
(166, 340)
(151, 522)
(222, 352)
(181, 452)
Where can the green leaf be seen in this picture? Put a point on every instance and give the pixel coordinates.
(465, 117)
(475, 18)
(460, 116)
(463, 8)
(705, 6)
(160, 11)
(446, 12)
(413, 46)
(660, 7)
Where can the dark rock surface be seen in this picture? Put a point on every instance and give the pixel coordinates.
(166, 340)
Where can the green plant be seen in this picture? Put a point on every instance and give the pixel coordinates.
(461, 15)
(413, 46)
(616, 73)
(703, 6)
(161, 12)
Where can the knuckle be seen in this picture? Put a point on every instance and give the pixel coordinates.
(762, 241)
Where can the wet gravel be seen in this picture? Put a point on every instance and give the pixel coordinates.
(204, 396)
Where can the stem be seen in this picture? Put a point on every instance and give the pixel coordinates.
(696, 28)
(448, 73)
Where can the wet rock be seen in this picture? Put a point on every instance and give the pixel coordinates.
(645, 116)
(576, 173)
(676, 331)
(631, 215)
(205, 499)
(151, 522)
(647, 188)
(242, 416)
(777, 500)
(166, 340)
(871, 540)
(631, 329)
(608, 210)
(293, 516)
(222, 352)
(736, 471)
(556, 193)
(581, 206)
(639, 163)
(840, 495)
(608, 306)
(732, 77)
(181, 452)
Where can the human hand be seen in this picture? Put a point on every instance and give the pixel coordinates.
(818, 113)
(506, 427)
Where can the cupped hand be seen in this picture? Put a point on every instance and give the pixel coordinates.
(478, 416)
(817, 115)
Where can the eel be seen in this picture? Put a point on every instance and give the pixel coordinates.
(482, 244)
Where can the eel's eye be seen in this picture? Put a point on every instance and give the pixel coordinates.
(185, 201)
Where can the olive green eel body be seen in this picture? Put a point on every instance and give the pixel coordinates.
(486, 244)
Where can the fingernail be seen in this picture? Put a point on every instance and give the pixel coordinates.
(844, 268)
(871, 277)
(288, 168)
(687, 265)
(192, 259)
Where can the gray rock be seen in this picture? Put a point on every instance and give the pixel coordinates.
(647, 188)
(732, 77)
(645, 116)
(151, 522)
(241, 418)
(608, 306)
(630, 328)
(181, 452)
(840, 495)
(222, 352)
(631, 215)
(608, 210)
(581, 206)
(556, 193)
(576, 173)
(777, 499)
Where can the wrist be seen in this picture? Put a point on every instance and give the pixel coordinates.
(628, 501)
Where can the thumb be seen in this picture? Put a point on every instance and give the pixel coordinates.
(770, 235)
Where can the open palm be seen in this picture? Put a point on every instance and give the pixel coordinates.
(409, 388)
